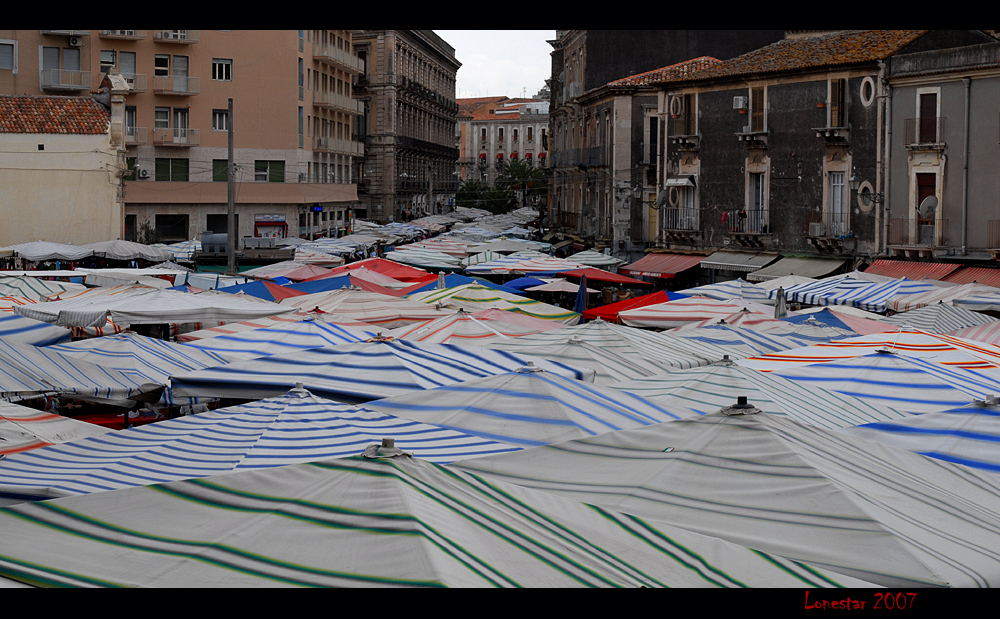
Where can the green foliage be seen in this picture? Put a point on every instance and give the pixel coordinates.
(147, 234)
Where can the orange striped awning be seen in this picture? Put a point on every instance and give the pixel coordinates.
(977, 275)
(912, 270)
(661, 265)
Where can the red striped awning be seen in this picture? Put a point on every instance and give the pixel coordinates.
(978, 275)
(661, 265)
(912, 270)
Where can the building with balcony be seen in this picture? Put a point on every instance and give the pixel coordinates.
(492, 130)
(583, 125)
(407, 89)
(944, 144)
(294, 116)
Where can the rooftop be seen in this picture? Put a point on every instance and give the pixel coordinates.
(54, 115)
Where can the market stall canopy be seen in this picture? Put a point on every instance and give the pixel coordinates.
(863, 509)
(24, 429)
(527, 408)
(127, 250)
(473, 298)
(610, 311)
(733, 289)
(860, 293)
(281, 338)
(16, 328)
(462, 328)
(288, 429)
(707, 389)
(152, 307)
(36, 289)
(834, 317)
(661, 265)
(39, 251)
(395, 270)
(743, 261)
(593, 258)
(793, 265)
(949, 295)
(263, 289)
(368, 521)
(969, 435)
(352, 305)
(899, 269)
(939, 318)
(361, 372)
(599, 275)
(684, 311)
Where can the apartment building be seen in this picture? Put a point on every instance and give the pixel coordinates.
(492, 130)
(294, 121)
(407, 89)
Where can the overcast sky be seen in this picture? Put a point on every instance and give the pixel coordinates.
(513, 63)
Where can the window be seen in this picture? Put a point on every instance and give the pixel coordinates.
(515, 135)
(161, 65)
(107, 60)
(131, 133)
(482, 134)
(838, 204)
(8, 55)
(500, 135)
(758, 114)
(219, 224)
(220, 170)
(838, 105)
(927, 127)
(126, 66)
(172, 228)
(222, 69)
(531, 134)
(161, 118)
(171, 170)
(220, 120)
(269, 171)
(130, 167)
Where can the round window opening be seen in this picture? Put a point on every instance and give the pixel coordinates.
(675, 196)
(866, 197)
(867, 91)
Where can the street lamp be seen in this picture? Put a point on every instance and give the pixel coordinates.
(864, 191)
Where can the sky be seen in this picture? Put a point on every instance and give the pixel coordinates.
(512, 63)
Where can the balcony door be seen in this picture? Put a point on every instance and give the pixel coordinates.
(928, 118)
(181, 125)
(180, 73)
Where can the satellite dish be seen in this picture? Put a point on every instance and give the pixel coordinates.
(662, 198)
(927, 207)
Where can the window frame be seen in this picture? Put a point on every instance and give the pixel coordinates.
(171, 169)
(269, 170)
(224, 116)
(226, 66)
(13, 60)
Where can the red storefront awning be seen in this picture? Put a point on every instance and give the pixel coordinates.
(912, 270)
(978, 275)
(661, 265)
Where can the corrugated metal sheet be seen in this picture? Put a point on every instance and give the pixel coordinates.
(912, 270)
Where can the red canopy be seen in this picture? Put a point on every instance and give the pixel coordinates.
(609, 312)
(394, 270)
(601, 275)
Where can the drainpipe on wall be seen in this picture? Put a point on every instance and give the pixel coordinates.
(883, 187)
(965, 168)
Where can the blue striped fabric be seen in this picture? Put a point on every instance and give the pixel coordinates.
(15, 328)
(529, 408)
(293, 428)
(360, 372)
(281, 339)
(939, 318)
(862, 294)
(969, 436)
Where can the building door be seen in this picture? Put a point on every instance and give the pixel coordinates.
(928, 118)
(926, 187)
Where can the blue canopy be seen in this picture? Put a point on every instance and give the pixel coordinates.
(454, 279)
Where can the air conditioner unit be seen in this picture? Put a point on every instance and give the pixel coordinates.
(143, 173)
(816, 229)
(75, 42)
(739, 103)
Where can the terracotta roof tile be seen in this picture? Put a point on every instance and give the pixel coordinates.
(681, 70)
(839, 48)
(60, 115)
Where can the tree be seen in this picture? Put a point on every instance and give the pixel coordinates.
(148, 235)
(523, 180)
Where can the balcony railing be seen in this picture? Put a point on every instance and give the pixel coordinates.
(328, 54)
(175, 85)
(177, 36)
(832, 224)
(335, 145)
(135, 135)
(334, 101)
(920, 232)
(64, 79)
(130, 35)
(924, 131)
(68, 33)
(136, 82)
(747, 221)
(176, 137)
(679, 218)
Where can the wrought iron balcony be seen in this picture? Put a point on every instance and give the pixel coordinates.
(922, 133)
(680, 218)
(747, 221)
(918, 232)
